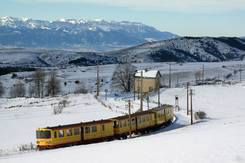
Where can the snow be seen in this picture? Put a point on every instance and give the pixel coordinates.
(220, 138)
(23, 116)
(147, 73)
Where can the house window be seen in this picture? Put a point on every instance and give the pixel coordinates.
(103, 127)
(150, 89)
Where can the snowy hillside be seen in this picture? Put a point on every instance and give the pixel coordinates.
(220, 138)
(185, 49)
(204, 49)
(97, 35)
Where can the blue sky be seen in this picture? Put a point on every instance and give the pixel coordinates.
(183, 17)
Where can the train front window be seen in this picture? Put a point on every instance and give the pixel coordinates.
(43, 134)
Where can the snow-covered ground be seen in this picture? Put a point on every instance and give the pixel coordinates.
(218, 139)
(181, 73)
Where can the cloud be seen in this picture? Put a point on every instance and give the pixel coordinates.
(161, 5)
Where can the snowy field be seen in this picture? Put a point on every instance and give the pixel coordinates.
(218, 139)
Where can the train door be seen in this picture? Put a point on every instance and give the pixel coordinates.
(82, 135)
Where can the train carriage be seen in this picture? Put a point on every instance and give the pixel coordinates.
(96, 131)
(58, 136)
(122, 125)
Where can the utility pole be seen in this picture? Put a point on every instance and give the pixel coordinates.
(138, 88)
(158, 94)
(191, 94)
(240, 71)
(177, 80)
(203, 73)
(106, 91)
(187, 95)
(148, 99)
(129, 115)
(169, 76)
(98, 80)
(141, 91)
(177, 103)
(134, 87)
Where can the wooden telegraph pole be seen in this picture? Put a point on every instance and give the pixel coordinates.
(98, 80)
(141, 92)
(191, 94)
(187, 95)
(158, 94)
(203, 73)
(240, 71)
(129, 116)
(169, 76)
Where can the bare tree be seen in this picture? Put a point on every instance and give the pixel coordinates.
(198, 76)
(1, 89)
(39, 79)
(31, 90)
(18, 90)
(53, 86)
(123, 77)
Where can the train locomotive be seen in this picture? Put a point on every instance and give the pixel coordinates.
(104, 130)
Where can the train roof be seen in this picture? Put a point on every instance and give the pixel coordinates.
(161, 107)
(80, 124)
(132, 115)
(97, 122)
(65, 126)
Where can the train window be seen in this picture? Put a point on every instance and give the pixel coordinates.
(103, 127)
(76, 131)
(55, 134)
(61, 133)
(147, 118)
(87, 130)
(143, 119)
(124, 123)
(139, 119)
(68, 132)
(43, 134)
(94, 128)
(132, 121)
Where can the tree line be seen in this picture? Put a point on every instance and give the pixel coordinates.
(38, 87)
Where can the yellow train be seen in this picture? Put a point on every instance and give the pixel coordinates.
(102, 130)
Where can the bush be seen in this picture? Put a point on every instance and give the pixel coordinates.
(27, 147)
(14, 76)
(77, 82)
(200, 115)
(61, 105)
(58, 109)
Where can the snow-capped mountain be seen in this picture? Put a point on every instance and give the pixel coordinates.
(97, 35)
(185, 49)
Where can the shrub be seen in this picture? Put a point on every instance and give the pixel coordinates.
(200, 115)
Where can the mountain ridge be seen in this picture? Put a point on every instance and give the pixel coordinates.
(184, 49)
(86, 35)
